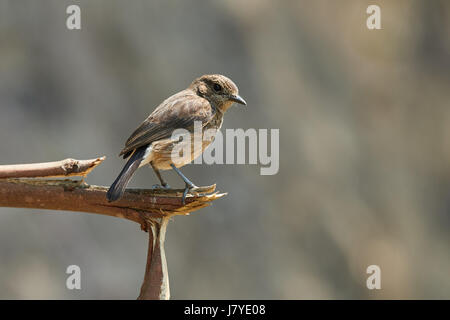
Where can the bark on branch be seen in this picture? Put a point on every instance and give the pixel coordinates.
(152, 209)
(63, 168)
(136, 205)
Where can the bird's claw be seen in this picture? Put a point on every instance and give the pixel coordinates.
(186, 190)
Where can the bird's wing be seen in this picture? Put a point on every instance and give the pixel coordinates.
(180, 111)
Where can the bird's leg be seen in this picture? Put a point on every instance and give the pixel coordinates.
(164, 184)
(188, 183)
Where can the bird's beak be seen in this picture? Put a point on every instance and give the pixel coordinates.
(238, 99)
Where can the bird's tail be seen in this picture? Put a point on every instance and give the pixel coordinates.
(118, 187)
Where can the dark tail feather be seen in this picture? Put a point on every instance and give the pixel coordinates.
(118, 187)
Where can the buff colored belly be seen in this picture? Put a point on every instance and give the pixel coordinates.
(163, 153)
(160, 152)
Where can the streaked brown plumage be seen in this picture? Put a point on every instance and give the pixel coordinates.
(205, 100)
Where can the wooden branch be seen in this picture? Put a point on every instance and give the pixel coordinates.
(156, 280)
(152, 209)
(63, 168)
(135, 205)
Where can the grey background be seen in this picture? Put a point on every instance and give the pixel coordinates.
(364, 123)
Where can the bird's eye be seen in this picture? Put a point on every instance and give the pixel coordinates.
(217, 87)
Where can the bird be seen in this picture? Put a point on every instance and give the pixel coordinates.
(153, 143)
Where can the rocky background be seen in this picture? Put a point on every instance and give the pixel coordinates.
(364, 119)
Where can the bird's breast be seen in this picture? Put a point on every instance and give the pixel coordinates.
(183, 149)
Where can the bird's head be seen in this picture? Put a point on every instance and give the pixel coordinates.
(217, 89)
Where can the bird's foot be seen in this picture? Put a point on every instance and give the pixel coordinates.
(188, 188)
(164, 186)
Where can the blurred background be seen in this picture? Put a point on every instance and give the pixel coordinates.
(364, 119)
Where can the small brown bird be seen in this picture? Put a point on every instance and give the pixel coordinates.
(205, 100)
